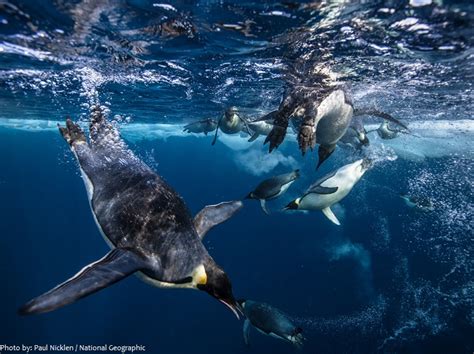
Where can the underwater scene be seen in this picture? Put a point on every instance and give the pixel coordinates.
(237, 176)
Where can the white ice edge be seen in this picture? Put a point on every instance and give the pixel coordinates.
(432, 138)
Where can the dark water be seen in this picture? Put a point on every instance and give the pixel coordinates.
(389, 279)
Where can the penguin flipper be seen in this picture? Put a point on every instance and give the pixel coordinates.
(246, 331)
(215, 135)
(253, 137)
(324, 190)
(330, 215)
(212, 215)
(116, 265)
(264, 206)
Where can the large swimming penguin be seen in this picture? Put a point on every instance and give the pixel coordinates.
(202, 126)
(144, 221)
(231, 122)
(330, 189)
(325, 110)
(270, 321)
(273, 187)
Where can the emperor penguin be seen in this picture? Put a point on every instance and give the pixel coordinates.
(231, 122)
(355, 136)
(270, 321)
(261, 126)
(331, 189)
(420, 203)
(386, 132)
(144, 221)
(202, 126)
(273, 187)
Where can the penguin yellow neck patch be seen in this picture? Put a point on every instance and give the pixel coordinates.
(199, 275)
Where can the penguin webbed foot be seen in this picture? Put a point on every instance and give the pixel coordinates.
(275, 137)
(306, 138)
(72, 132)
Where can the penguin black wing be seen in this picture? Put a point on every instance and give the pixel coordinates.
(213, 215)
(318, 189)
(116, 265)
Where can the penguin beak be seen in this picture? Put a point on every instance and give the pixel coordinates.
(233, 306)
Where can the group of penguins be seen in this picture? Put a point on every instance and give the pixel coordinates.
(326, 191)
(150, 230)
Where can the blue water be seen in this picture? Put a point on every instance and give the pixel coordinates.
(390, 279)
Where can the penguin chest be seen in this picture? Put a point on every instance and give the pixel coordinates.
(333, 117)
(231, 125)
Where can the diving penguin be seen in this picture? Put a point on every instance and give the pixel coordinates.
(331, 189)
(261, 126)
(355, 136)
(273, 187)
(387, 132)
(231, 123)
(202, 126)
(420, 203)
(144, 221)
(270, 321)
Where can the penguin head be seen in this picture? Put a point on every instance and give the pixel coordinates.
(218, 285)
(293, 205)
(231, 111)
(250, 196)
(362, 136)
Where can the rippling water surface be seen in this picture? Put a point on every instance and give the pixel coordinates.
(390, 279)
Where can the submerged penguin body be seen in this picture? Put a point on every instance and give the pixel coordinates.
(143, 220)
(270, 321)
(273, 188)
(331, 189)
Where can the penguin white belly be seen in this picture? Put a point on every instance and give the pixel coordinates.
(284, 188)
(344, 180)
(334, 116)
(231, 126)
